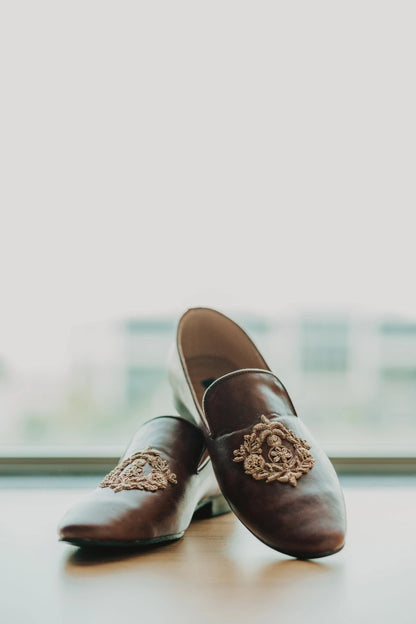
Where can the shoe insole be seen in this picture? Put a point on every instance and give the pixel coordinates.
(205, 369)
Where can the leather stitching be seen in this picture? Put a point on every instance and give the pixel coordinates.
(129, 475)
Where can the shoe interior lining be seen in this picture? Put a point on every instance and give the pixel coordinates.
(212, 346)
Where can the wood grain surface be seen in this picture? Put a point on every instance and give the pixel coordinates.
(217, 573)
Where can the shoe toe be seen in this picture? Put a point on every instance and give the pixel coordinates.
(96, 519)
(310, 540)
(300, 525)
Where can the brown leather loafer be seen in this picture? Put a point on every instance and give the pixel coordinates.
(274, 475)
(159, 485)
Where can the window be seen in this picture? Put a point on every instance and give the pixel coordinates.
(352, 381)
(324, 346)
(144, 173)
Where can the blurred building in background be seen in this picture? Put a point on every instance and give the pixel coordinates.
(353, 380)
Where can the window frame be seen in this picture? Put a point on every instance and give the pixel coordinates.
(71, 463)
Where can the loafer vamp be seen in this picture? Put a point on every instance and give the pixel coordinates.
(275, 476)
(118, 514)
(306, 519)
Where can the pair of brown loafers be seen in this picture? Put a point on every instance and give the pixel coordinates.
(238, 444)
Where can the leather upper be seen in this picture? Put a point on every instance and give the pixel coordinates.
(141, 515)
(305, 520)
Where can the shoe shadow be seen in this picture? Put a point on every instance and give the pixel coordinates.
(95, 556)
(218, 563)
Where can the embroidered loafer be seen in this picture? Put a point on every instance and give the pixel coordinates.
(159, 485)
(274, 475)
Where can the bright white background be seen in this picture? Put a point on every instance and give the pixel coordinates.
(242, 155)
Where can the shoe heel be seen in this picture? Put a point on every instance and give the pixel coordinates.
(211, 508)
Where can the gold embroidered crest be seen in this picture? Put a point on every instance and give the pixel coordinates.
(274, 453)
(129, 475)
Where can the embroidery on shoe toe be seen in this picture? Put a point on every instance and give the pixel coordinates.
(129, 475)
(274, 453)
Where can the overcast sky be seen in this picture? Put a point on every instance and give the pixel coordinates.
(241, 155)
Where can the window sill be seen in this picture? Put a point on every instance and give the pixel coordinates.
(101, 462)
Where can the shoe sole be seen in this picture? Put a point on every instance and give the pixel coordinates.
(302, 556)
(91, 543)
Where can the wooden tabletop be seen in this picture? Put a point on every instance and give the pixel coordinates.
(217, 573)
